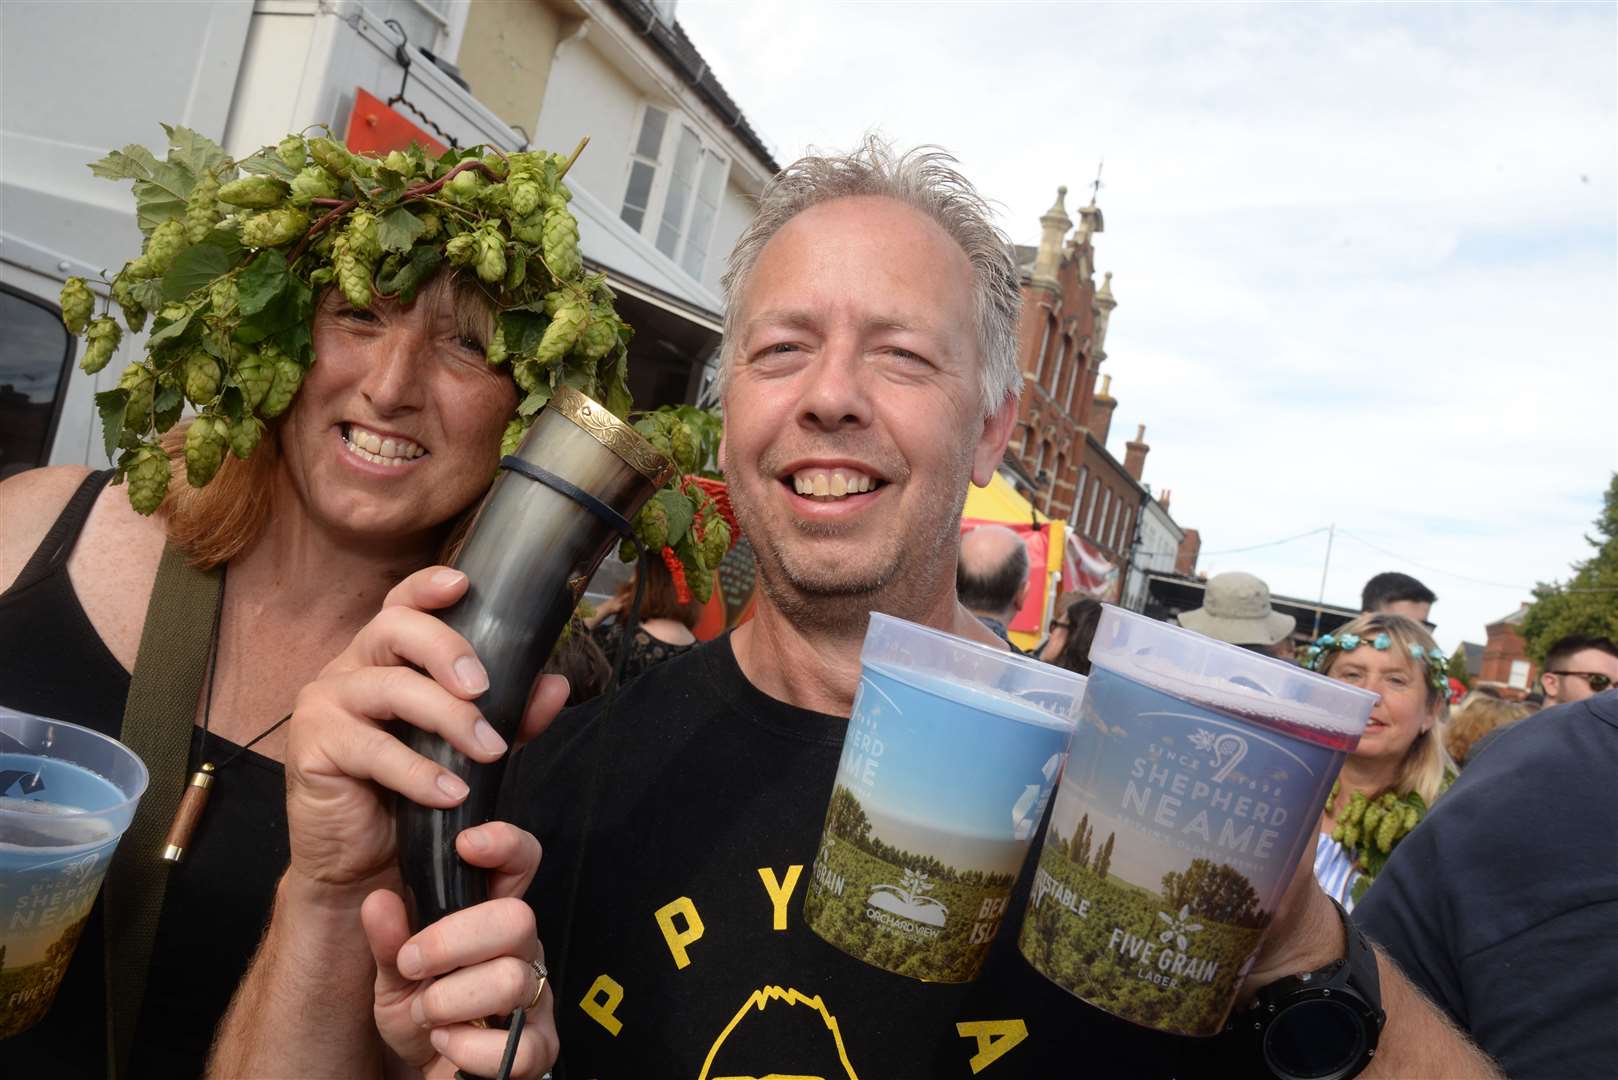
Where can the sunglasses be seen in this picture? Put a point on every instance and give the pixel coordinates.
(1598, 682)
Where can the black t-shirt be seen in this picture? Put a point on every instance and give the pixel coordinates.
(679, 838)
(1503, 906)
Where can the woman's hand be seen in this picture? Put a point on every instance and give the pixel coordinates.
(477, 963)
(342, 763)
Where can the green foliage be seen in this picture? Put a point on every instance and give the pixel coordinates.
(1214, 891)
(1456, 668)
(1588, 602)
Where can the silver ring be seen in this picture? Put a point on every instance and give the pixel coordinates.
(543, 976)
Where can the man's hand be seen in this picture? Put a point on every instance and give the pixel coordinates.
(471, 965)
(1305, 935)
(342, 763)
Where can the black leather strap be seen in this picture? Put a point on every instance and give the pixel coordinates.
(601, 510)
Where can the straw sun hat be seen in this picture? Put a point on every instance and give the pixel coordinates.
(1236, 608)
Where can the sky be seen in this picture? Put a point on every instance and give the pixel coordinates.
(1365, 257)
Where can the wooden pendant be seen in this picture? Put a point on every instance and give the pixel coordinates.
(188, 814)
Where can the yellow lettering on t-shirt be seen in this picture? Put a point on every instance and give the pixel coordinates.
(679, 939)
(780, 891)
(994, 1038)
(601, 1002)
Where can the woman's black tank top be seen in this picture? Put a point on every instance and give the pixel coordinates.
(53, 663)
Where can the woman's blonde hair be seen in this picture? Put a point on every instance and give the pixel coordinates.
(216, 523)
(1476, 716)
(1426, 761)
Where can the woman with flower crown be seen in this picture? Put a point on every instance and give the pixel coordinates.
(1400, 766)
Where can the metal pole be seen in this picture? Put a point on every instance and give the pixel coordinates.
(1331, 534)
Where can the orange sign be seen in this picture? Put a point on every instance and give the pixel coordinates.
(374, 128)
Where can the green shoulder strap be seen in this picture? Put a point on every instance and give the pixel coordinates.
(158, 717)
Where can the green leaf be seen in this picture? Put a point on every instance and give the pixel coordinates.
(534, 402)
(148, 293)
(617, 398)
(170, 331)
(231, 403)
(197, 266)
(524, 329)
(161, 187)
(167, 403)
(133, 162)
(408, 276)
(194, 152)
(680, 513)
(267, 162)
(262, 283)
(111, 404)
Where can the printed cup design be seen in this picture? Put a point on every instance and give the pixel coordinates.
(59, 826)
(939, 790)
(1175, 832)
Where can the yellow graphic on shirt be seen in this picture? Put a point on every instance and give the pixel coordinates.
(758, 1001)
(994, 1038)
(677, 938)
(601, 1003)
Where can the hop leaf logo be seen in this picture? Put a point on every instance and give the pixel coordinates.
(1202, 739)
(1178, 927)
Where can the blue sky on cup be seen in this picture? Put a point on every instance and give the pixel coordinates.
(950, 759)
(1364, 255)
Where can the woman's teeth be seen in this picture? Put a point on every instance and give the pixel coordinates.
(378, 449)
(834, 484)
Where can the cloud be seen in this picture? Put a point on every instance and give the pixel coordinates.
(1365, 255)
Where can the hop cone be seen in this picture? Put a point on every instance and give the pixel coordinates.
(561, 243)
(254, 192)
(1412, 816)
(202, 207)
(461, 249)
(202, 377)
(431, 226)
(562, 332)
(254, 372)
(205, 443)
(398, 161)
(332, 157)
(163, 247)
(491, 254)
(148, 476)
(78, 304)
(222, 295)
(698, 576)
(313, 183)
(284, 384)
(652, 526)
(464, 187)
(495, 353)
(715, 541)
(1388, 831)
(274, 227)
(362, 237)
(531, 229)
(292, 151)
(628, 550)
(684, 445)
(598, 339)
(134, 311)
(528, 374)
(244, 435)
(101, 342)
(511, 438)
(140, 382)
(353, 277)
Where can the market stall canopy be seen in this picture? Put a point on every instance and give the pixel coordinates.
(1000, 503)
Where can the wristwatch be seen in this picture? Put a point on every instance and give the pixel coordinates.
(1320, 1025)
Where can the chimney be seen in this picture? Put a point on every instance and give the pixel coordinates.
(1101, 407)
(1135, 454)
(1185, 561)
(1163, 499)
(1053, 226)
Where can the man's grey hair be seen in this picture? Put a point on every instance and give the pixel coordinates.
(925, 180)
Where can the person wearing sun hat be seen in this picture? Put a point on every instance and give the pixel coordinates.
(1236, 609)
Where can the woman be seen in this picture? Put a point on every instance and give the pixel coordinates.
(666, 624)
(1071, 633)
(1400, 766)
(393, 436)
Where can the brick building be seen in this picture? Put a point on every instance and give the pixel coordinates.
(1058, 454)
(1505, 657)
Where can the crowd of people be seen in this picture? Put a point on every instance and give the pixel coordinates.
(870, 333)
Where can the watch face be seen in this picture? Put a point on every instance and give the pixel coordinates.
(1315, 1039)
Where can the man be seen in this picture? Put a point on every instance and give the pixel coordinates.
(992, 578)
(1577, 667)
(1398, 593)
(1503, 905)
(870, 333)
(1236, 608)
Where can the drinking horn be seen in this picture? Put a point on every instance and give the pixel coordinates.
(556, 508)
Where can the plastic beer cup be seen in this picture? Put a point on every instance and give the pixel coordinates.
(951, 756)
(66, 796)
(1193, 787)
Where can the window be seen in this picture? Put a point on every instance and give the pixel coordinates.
(643, 167)
(1518, 679)
(1078, 496)
(1106, 505)
(678, 199)
(1061, 471)
(703, 213)
(1095, 500)
(1044, 347)
(1077, 370)
(35, 354)
(1061, 343)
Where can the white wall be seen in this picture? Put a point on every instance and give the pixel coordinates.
(587, 96)
(735, 211)
(1159, 544)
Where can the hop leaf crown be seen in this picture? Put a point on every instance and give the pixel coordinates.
(237, 251)
(1436, 663)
